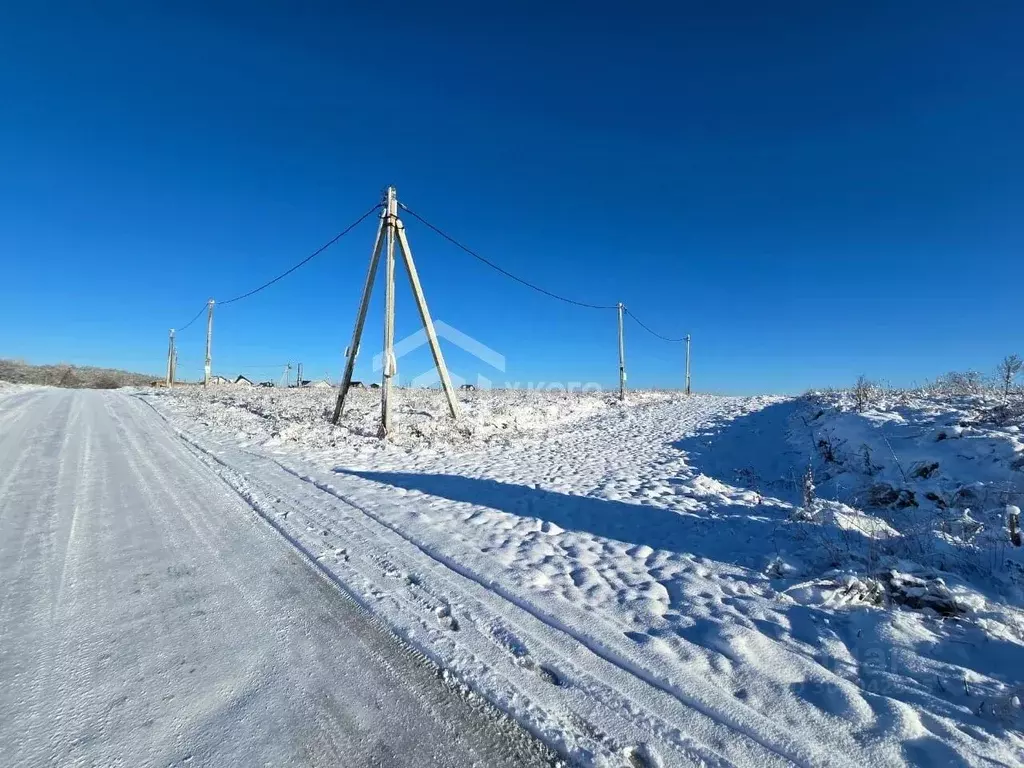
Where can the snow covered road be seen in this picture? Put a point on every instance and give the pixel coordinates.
(148, 617)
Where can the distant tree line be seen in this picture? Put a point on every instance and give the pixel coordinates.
(73, 376)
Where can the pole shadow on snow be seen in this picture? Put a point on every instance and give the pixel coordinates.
(636, 524)
(748, 452)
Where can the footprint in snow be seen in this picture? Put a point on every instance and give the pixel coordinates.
(445, 618)
(637, 757)
(549, 675)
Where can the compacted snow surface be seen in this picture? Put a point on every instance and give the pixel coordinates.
(149, 618)
(664, 582)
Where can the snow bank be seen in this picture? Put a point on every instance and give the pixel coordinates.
(8, 388)
(940, 471)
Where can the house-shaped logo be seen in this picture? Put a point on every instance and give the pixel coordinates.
(428, 378)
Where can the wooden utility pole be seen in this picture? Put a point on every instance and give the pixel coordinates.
(622, 356)
(428, 324)
(209, 343)
(390, 365)
(390, 229)
(357, 331)
(170, 359)
(687, 365)
(298, 377)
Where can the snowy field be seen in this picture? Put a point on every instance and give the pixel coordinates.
(278, 418)
(728, 581)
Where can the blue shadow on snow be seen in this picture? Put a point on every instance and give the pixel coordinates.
(701, 534)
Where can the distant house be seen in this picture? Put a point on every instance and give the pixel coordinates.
(244, 382)
(319, 384)
(468, 387)
(357, 385)
(267, 384)
(219, 380)
(375, 385)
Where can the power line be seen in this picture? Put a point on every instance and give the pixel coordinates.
(306, 260)
(654, 333)
(494, 266)
(198, 315)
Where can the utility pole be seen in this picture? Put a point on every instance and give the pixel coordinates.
(622, 356)
(687, 365)
(428, 324)
(390, 229)
(170, 359)
(209, 343)
(357, 331)
(174, 364)
(390, 365)
(298, 377)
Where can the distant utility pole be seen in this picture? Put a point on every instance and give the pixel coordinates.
(174, 364)
(170, 358)
(209, 343)
(298, 377)
(390, 229)
(622, 356)
(286, 376)
(687, 365)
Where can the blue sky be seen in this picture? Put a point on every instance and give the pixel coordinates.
(812, 191)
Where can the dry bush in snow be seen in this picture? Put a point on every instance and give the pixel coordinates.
(960, 383)
(106, 381)
(1008, 370)
(865, 393)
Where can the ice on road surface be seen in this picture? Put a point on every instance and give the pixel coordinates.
(149, 617)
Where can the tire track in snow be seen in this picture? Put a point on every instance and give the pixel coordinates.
(197, 465)
(20, 432)
(47, 442)
(14, 408)
(106, 679)
(83, 479)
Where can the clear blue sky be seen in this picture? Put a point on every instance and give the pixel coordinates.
(813, 190)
